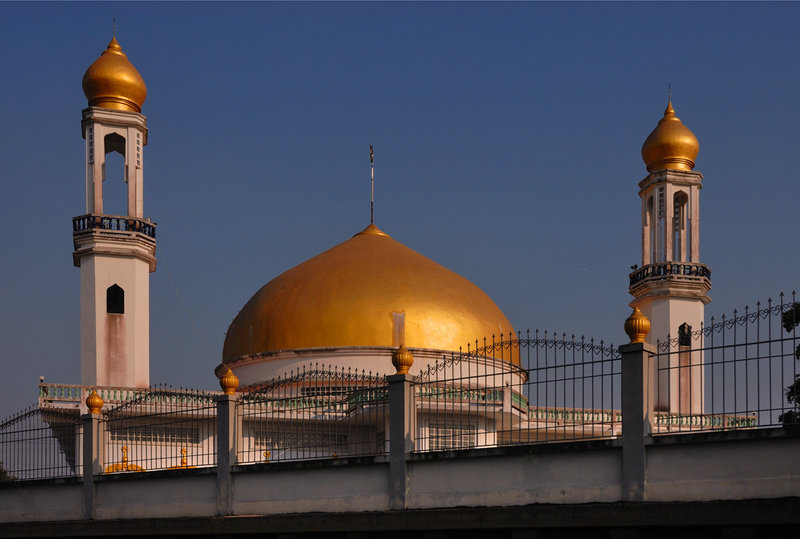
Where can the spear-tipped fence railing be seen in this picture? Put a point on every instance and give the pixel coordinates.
(532, 388)
(736, 372)
(39, 444)
(161, 429)
(314, 412)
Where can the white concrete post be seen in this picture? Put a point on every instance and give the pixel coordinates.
(636, 414)
(402, 434)
(91, 458)
(226, 452)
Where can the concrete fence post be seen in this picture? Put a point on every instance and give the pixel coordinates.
(402, 433)
(637, 406)
(226, 452)
(92, 461)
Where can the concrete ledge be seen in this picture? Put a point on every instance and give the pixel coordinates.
(509, 450)
(735, 518)
(40, 482)
(716, 436)
(310, 463)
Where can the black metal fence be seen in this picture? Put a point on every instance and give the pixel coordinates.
(531, 388)
(161, 429)
(736, 372)
(40, 443)
(314, 412)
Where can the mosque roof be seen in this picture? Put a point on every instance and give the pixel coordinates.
(355, 293)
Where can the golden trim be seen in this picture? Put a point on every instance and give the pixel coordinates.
(124, 466)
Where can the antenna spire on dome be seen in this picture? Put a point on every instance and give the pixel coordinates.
(669, 111)
(371, 185)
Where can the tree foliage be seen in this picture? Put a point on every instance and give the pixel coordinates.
(790, 320)
(4, 475)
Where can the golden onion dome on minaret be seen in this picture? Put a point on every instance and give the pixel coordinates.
(671, 145)
(111, 82)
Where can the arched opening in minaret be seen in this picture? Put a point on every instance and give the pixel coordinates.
(115, 299)
(679, 226)
(115, 186)
(650, 231)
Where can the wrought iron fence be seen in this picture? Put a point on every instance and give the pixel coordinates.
(40, 443)
(532, 388)
(314, 412)
(161, 429)
(738, 372)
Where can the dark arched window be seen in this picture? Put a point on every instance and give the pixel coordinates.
(115, 300)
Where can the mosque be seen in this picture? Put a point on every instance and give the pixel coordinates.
(366, 304)
(356, 303)
(404, 386)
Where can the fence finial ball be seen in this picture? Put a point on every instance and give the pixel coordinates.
(637, 326)
(94, 402)
(229, 382)
(402, 359)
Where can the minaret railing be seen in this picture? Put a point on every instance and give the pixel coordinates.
(670, 269)
(121, 223)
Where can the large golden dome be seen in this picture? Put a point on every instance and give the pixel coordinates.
(111, 82)
(671, 145)
(347, 296)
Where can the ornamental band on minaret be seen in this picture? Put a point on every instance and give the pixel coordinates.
(115, 253)
(671, 285)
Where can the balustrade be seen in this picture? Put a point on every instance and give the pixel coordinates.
(670, 269)
(85, 223)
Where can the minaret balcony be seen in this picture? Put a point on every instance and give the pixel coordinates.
(120, 223)
(689, 272)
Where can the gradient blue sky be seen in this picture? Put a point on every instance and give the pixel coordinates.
(507, 140)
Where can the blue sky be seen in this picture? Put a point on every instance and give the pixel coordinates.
(507, 140)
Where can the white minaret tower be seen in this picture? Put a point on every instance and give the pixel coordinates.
(671, 285)
(115, 253)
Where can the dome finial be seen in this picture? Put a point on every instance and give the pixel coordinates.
(671, 145)
(111, 82)
(371, 185)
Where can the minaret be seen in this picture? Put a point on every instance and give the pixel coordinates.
(671, 285)
(115, 253)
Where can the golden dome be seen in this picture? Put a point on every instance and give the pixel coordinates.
(351, 295)
(112, 82)
(671, 144)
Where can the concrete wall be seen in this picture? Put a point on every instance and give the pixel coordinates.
(183, 493)
(740, 465)
(569, 476)
(307, 488)
(41, 501)
(690, 467)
